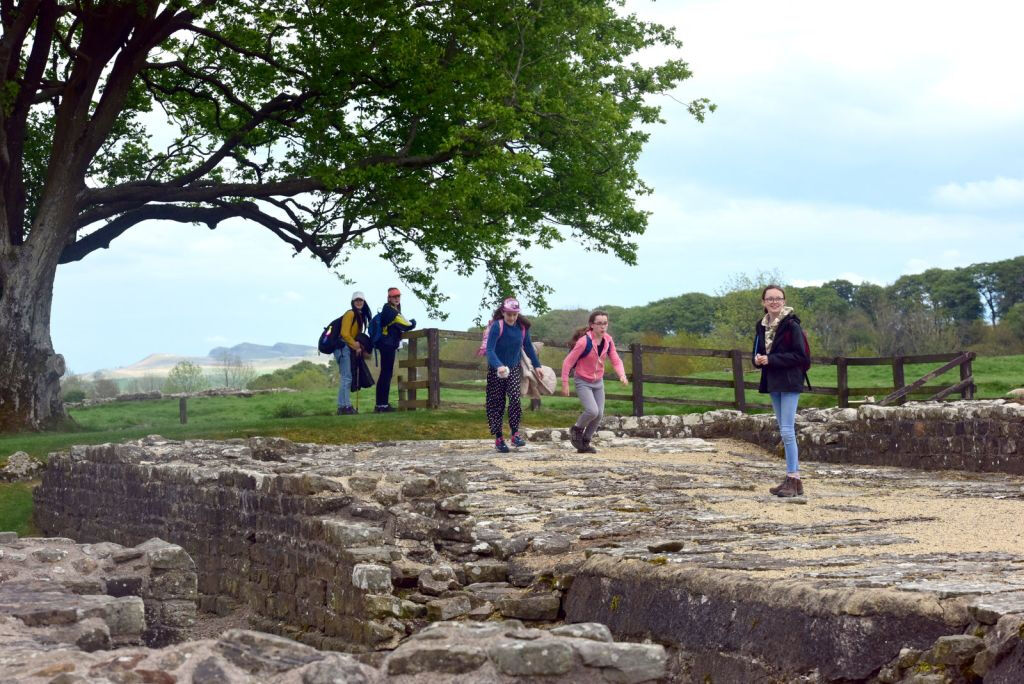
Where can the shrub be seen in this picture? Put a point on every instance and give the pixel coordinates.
(185, 377)
(287, 410)
(74, 395)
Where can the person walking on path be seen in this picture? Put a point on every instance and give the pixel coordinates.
(393, 325)
(591, 346)
(353, 322)
(781, 354)
(508, 336)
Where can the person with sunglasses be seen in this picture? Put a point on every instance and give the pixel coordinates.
(393, 325)
(781, 354)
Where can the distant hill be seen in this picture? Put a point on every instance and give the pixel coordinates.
(263, 358)
(250, 352)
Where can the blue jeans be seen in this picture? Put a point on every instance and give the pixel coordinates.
(344, 358)
(784, 404)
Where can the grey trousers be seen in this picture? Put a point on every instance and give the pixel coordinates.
(591, 395)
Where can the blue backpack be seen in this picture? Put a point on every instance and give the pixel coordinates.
(589, 347)
(374, 331)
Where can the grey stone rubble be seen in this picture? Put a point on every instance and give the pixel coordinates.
(674, 540)
(20, 466)
(157, 394)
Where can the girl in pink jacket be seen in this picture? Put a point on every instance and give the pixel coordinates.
(590, 347)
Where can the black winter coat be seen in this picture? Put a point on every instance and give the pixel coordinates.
(785, 369)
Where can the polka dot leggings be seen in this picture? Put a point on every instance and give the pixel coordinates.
(497, 390)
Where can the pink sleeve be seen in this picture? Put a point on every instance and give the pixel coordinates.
(571, 358)
(613, 354)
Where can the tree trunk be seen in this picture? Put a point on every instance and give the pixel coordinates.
(30, 371)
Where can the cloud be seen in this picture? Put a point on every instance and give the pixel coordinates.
(990, 194)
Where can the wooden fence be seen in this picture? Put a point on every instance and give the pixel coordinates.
(424, 354)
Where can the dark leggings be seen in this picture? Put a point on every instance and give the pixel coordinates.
(387, 367)
(497, 390)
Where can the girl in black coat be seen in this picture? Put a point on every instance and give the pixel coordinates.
(780, 353)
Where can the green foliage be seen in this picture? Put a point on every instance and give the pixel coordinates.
(304, 375)
(448, 133)
(185, 377)
(73, 395)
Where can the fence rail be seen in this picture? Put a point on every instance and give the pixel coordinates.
(431, 364)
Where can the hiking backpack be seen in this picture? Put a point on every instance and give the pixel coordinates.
(329, 338)
(482, 351)
(374, 331)
(589, 347)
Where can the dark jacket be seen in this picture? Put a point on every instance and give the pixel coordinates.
(785, 369)
(392, 325)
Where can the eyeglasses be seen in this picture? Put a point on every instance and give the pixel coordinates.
(772, 300)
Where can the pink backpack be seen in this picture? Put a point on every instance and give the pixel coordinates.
(482, 351)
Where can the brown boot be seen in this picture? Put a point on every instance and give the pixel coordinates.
(775, 490)
(791, 486)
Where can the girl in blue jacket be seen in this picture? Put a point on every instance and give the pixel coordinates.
(508, 336)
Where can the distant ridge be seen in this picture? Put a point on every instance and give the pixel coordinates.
(248, 351)
(261, 357)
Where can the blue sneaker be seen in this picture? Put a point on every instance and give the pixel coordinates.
(518, 441)
(500, 446)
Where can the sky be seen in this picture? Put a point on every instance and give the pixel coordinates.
(860, 141)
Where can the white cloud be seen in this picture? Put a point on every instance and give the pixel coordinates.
(990, 194)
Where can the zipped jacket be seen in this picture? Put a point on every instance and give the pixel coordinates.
(591, 366)
(786, 361)
(393, 324)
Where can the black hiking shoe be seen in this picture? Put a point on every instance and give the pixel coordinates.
(500, 446)
(576, 437)
(517, 441)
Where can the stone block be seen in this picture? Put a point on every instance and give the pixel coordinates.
(594, 631)
(624, 663)
(423, 658)
(452, 481)
(488, 570)
(540, 658)
(535, 607)
(382, 605)
(373, 579)
(434, 581)
(126, 617)
(347, 533)
(448, 608)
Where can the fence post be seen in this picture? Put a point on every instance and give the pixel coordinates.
(410, 393)
(842, 382)
(966, 372)
(183, 410)
(739, 391)
(898, 381)
(638, 379)
(433, 368)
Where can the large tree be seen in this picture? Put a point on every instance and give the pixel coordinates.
(450, 132)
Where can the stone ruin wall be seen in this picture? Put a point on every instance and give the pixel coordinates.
(361, 560)
(309, 558)
(978, 436)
